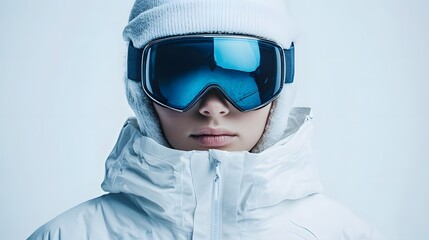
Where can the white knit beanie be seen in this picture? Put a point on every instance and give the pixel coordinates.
(152, 19)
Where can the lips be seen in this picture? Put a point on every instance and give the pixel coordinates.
(211, 137)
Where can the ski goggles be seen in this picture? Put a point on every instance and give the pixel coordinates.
(175, 72)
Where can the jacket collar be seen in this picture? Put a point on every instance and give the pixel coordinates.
(177, 186)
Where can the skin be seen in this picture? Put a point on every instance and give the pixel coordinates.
(213, 123)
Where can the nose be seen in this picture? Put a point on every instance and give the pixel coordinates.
(213, 104)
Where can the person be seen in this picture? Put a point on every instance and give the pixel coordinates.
(216, 150)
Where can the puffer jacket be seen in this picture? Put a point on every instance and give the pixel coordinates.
(160, 193)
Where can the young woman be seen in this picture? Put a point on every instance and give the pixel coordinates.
(215, 150)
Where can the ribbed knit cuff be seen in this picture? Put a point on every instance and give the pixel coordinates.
(261, 18)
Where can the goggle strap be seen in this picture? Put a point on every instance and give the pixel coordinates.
(290, 63)
(134, 62)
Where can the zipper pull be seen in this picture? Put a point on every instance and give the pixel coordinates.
(217, 180)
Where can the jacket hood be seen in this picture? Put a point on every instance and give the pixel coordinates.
(179, 187)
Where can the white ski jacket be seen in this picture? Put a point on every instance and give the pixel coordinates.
(160, 193)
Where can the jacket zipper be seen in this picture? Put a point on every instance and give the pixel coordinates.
(216, 203)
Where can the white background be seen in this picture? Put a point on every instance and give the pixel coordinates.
(362, 66)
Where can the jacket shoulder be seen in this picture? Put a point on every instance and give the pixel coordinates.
(104, 217)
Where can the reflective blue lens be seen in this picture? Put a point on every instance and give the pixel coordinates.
(178, 71)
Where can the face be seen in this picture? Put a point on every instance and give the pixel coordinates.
(213, 123)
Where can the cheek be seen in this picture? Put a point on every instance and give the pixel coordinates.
(259, 117)
(174, 125)
(252, 126)
(174, 132)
